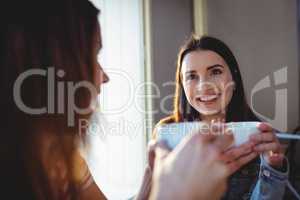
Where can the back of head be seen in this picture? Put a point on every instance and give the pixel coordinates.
(41, 35)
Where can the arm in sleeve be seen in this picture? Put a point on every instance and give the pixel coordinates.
(271, 183)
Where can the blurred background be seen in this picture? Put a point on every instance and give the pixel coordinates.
(141, 40)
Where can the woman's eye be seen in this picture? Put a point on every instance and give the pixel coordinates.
(216, 71)
(191, 77)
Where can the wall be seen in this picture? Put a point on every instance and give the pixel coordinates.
(171, 24)
(263, 36)
(261, 33)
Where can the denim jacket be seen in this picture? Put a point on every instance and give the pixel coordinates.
(271, 183)
(256, 181)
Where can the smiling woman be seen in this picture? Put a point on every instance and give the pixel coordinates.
(207, 83)
(209, 88)
(212, 60)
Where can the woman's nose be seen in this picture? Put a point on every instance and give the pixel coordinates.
(203, 82)
(104, 77)
(205, 85)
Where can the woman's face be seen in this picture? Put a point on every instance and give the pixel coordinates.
(207, 82)
(100, 76)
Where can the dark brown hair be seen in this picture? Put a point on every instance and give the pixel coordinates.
(237, 110)
(38, 34)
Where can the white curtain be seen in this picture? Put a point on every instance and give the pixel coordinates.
(118, 151)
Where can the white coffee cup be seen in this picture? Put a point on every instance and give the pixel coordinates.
(242, 131)
(173, 133)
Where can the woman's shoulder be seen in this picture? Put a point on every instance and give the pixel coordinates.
(166, 120)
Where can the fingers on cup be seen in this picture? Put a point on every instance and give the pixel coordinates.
(264, 127)
(273, 146)
(224, 141)
(237, 164)
(243, 149)
(263, 137)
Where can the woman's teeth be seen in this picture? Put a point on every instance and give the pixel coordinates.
(207, 98)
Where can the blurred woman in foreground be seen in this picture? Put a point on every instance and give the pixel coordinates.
(50, 78)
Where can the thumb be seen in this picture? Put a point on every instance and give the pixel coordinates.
(156, 149)
(161, 150)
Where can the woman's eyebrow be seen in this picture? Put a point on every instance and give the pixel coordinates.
(213, 66)
(190, 72)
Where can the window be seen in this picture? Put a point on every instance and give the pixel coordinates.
(117, 156)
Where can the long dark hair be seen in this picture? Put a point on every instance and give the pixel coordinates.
(37, 34)
(237, 110)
